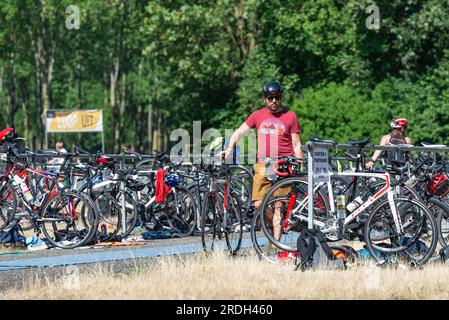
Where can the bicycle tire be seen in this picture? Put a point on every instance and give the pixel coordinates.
(242, 182)
(418, 219)
(257, 241)
(8, 204)
(130, 211)
(442, 220)
(321, 209)
(65, 202)
(181, 210)
(109, 216)
(199, 200)
(233, 225)
(208, 223)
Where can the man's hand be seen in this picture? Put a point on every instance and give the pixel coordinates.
(369, 165)
(226, 153)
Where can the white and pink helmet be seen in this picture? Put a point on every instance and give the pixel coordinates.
(399, 123)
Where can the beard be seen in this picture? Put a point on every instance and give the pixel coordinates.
(274, 108)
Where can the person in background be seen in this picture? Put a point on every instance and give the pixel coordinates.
(59, 148)
(398, 135)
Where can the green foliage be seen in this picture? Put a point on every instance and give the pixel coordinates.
(181, 61)
(334, 112)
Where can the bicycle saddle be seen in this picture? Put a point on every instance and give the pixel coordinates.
(359, 143)
(317, 139)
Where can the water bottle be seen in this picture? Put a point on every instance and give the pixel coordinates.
(23, 186)
(354, 204)
(341, 205)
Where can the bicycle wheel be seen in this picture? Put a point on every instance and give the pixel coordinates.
(241, 184)
(68, 219)
(441, 209)
(418, 240)
(208, 223)
(264, 249)
(233, 224)
(181, 211)
(130, 210)
(280, 214)
(109, 215)
(8, 204)
(198, 196)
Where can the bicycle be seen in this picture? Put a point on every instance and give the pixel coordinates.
(177, 212)
(401, 221)
(109, 189)
(221, 213)
(67, 218)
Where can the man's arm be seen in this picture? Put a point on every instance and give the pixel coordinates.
(296, 142)
(240, 132)
(383, 142)
(377, 153)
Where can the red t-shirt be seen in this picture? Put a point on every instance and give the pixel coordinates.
(274, 132)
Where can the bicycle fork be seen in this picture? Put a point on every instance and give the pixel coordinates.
(225, 203)
(396, 217)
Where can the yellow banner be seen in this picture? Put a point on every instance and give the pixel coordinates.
(75, 121)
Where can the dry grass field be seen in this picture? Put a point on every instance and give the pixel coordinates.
(220, 277)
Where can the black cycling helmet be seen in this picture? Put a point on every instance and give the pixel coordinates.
(272, 88)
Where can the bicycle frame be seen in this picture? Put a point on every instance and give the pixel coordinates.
(370, 201)
(35, 210)
(214, 181)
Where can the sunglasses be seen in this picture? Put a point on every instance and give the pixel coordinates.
(271, 98)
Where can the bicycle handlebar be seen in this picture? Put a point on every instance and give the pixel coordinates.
(276, 165)
(129, 151)
(283, 161)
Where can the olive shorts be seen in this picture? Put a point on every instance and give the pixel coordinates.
(261, 184)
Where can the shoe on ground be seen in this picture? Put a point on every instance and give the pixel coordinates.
(39, 245)
(206, 229)
(67, 243)
(133, 239)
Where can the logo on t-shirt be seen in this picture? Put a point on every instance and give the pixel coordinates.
(272, 126)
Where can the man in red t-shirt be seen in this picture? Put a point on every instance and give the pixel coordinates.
(278, 135)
